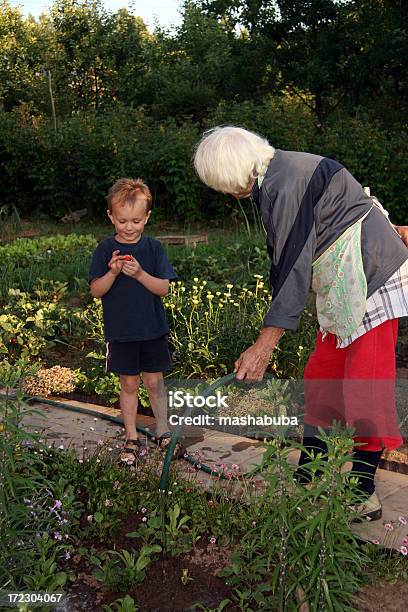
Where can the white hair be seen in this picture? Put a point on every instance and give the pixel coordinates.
(228, 158)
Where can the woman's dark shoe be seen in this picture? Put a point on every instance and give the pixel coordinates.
(370, 509)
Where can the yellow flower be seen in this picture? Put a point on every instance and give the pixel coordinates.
(209, 296)
(236, 304)
(195, 279)
(195, 301)
(218, 293)
(230, 286)
(257, 276)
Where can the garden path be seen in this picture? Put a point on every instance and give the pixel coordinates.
(89, 426)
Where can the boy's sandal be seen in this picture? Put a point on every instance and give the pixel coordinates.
(132, 451)
(163, 442)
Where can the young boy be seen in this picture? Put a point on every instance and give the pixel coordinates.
(131, 272)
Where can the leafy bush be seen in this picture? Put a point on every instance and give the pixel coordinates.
(73, 168)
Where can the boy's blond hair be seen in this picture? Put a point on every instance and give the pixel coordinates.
(128, 191)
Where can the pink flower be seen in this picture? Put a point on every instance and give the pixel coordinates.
(213, 540)
(235, 466)
(404, 550)
(388, 527)
(402, 520)
(405, 541)
(376, 542)
(210, 503)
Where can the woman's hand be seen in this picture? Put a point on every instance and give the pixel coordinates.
(116, 263)
(252, 363)
(132, 268)
(403, 232)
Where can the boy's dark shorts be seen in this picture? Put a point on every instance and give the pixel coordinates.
(131, 358)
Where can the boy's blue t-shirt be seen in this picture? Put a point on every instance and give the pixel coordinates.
(130, 311)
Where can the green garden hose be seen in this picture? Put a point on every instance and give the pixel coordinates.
(225, 380)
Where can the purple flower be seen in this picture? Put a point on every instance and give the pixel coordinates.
(57, 535)
(67, 556)
(58, 504)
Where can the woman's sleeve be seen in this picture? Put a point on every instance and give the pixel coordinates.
(290, 301)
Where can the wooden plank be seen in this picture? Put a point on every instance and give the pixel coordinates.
(188, 240)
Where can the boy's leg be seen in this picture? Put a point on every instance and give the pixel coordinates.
(129, 388)
(153, 381)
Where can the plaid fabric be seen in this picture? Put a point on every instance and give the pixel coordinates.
(389, 302)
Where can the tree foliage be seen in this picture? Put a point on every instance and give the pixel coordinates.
(130, 100)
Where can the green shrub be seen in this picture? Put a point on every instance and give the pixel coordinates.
(74, 168)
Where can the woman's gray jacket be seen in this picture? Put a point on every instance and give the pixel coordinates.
(306, 202)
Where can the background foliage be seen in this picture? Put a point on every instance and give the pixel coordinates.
(317, 75)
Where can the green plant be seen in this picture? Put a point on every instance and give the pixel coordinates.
(305, 544)
(43, 574)
(26, 518)
(125, 604)
(124, 569)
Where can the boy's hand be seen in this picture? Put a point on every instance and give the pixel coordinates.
(116, 263)
(132, 268)
(403, 232)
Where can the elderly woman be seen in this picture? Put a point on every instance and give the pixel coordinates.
(323, 230)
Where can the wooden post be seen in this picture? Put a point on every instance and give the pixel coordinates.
(54, 116)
